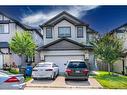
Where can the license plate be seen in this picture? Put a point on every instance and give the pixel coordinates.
(77, 71)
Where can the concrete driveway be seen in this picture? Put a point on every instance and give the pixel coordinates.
(60, 82)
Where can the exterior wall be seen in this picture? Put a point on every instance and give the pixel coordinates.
(38, 40)
(73, 32)
(118, 67)
(91, 37)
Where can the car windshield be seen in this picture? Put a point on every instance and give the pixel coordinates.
(43, 65)
(77, 65)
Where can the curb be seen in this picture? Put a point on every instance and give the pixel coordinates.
(86, 87)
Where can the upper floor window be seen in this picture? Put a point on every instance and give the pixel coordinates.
(79, 32)
(4, 29)
(120, 35)
(64, 32)
(49, 32)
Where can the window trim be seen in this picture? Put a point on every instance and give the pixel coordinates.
(4, 29)
(51, 32)
(64, 27)
(82, 32)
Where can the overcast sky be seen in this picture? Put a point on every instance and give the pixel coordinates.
(100, 18)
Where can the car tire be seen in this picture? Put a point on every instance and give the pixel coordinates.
(35, 78)
(86, 79)
(53, 76)
(66, 79)
(58, 73)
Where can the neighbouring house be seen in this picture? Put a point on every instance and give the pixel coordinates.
(121, 33)
(8, 28)
(65, 38)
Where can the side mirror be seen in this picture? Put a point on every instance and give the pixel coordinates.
(65, 64)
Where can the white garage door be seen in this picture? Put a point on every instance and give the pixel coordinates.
(1, 61)
(61, 60)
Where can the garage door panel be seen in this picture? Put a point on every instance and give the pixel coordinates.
(61, 60)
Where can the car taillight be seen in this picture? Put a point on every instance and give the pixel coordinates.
(12, 79)
(85, 71)
(48, 69)
(69, 71)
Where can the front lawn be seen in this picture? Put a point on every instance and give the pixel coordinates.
(111, 81)
(28, 79)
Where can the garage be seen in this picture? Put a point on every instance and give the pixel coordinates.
(60, 60)
(62, 50)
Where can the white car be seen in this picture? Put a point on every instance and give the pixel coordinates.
(11, 81)
(45, 70)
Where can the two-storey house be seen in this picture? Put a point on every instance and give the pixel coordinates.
(65, 38)
(121, 33)
(8, 28)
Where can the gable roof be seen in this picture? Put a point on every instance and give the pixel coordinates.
(25, 27)
(65, 18)
(90, 30)
(116, 29)
(64, 39)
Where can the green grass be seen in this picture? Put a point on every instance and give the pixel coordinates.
(13, 71)
(111, 81)
(28, 79)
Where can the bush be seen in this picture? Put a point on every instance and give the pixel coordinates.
(14, 71)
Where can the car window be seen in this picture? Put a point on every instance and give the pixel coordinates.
(43, 65)
(54, 65)
(77, 65)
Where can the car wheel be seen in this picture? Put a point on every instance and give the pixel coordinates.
(53, 76)
(58, 73)
(86, 79)
(35, 78)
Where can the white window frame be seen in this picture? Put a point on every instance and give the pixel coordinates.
(47, 30)
(5, 29)
(79, 36)
(64, 35)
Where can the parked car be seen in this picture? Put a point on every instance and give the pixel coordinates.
(76, 69)
(11, 81)
(45, 70)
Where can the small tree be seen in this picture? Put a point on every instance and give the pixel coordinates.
(23, 45)
(108, 49)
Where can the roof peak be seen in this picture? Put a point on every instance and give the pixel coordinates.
(62, 13)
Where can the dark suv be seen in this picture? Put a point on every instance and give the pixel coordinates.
(76, 69)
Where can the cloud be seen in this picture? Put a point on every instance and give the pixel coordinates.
(35, 19)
